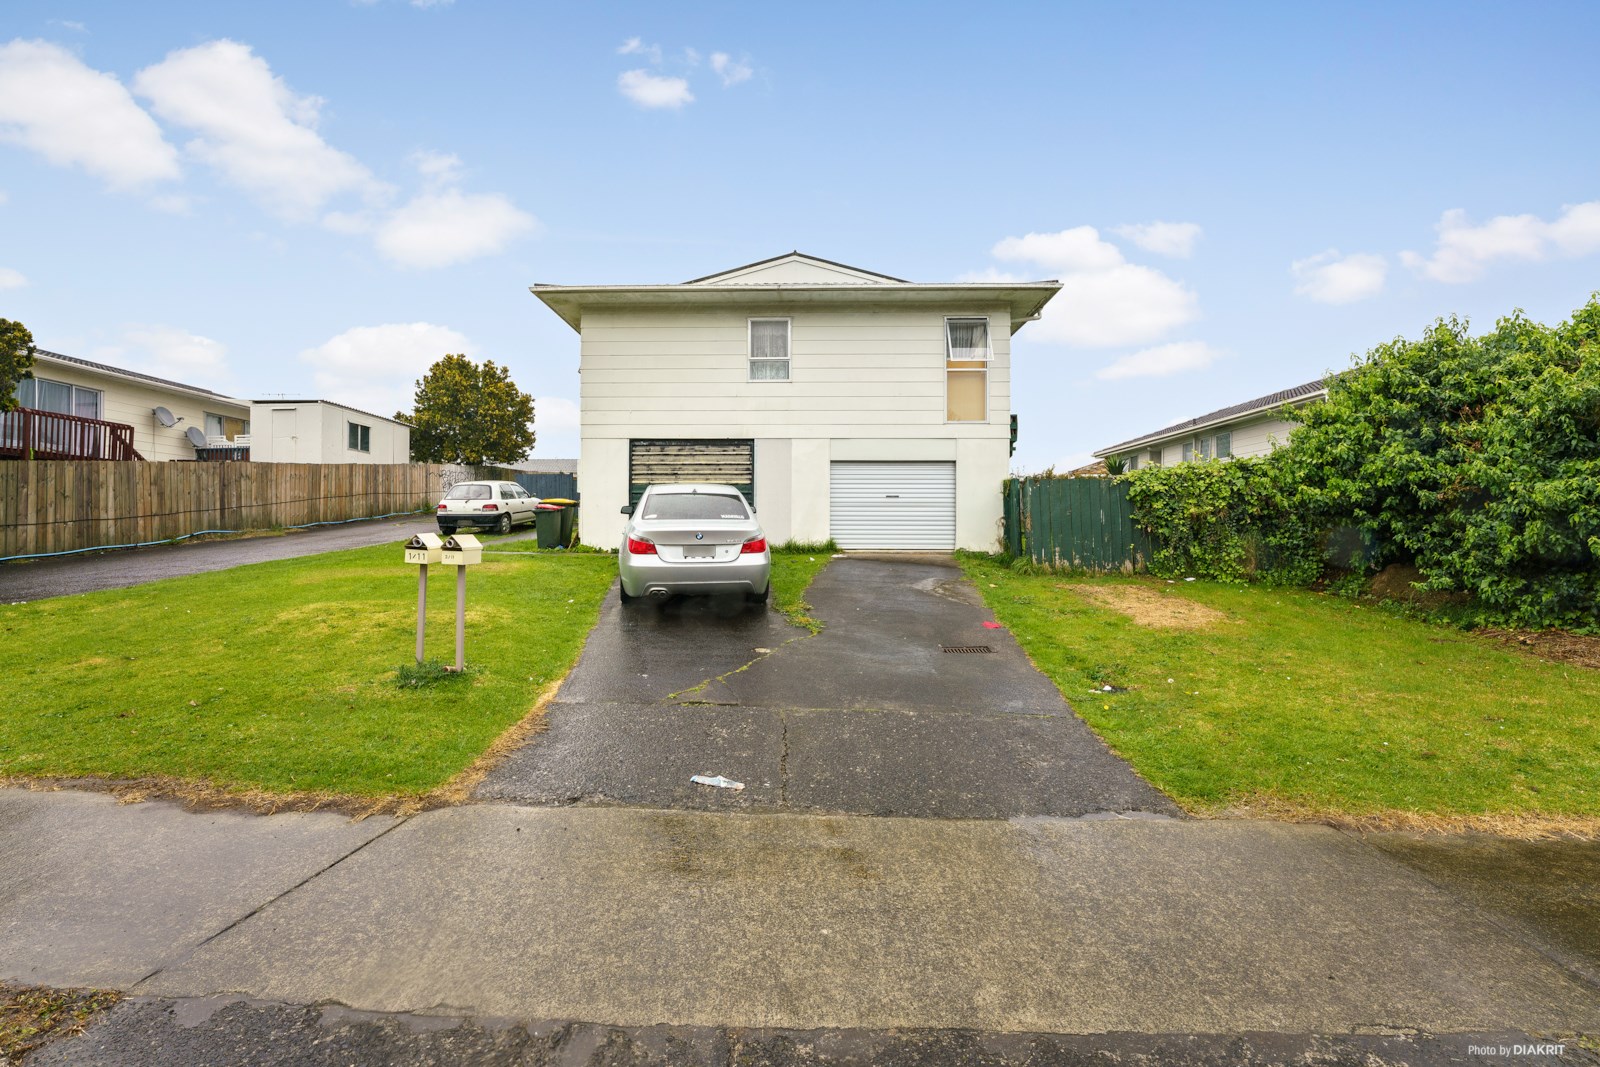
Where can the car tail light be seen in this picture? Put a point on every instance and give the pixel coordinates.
(441, 507)
(755, 544)
(640, 547)
(491, 507)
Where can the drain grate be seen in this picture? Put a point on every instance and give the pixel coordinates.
(965, 648)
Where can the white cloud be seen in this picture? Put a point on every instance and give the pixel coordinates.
(1464, 251)
(633, 46)
(72, 115)
(431, 3)
(437, 229)
(437, 168)
(1104, 300)
(1125, 305)
(1077, 249)
(68, 24)
(252, 127)
(1331, 278)
(375, 368)
(654, 90)
(1163, 238)
(12, 279)
(730, 70)
(1161, 361)
(173, 353)
(173, 204)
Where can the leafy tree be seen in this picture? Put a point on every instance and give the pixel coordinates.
(16, 361)
(467, 413)
(1477, 459)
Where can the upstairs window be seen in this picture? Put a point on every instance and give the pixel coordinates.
(42, 394)
(966, 370)
(1224, 445)
(360, 437)
(769, 350)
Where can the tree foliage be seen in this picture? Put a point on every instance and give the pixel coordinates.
(1228, 520)
(467, 413)
(16, 360)
(1476, 458)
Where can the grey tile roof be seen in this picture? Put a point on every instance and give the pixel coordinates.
(125, 373)
(1296, 394)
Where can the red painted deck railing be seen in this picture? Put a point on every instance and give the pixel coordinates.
(30, 434)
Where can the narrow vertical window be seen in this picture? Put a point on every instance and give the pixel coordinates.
(966, 370)
(1188, 452)
(1224, 445)
(769, 350)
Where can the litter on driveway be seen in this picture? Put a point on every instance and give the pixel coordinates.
(992, 626)
(718, 781)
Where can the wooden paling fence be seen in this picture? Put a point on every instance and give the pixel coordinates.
(61, 505)
(1081, 524)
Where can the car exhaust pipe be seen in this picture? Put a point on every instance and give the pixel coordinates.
(658, 595)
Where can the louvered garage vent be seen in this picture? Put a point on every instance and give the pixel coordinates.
(726, 461)
(893, 505)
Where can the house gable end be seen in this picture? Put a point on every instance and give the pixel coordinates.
(795, 268)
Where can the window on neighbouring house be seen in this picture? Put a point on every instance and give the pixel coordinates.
(966, 370)
(1224, 445)
(1188, 452)
(1205, 447)
(1131, 463)
(42, 394)
(769, 350)
(214, 427)
(360, 437)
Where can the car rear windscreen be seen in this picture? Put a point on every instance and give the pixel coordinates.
(693, 507)
(468, 492)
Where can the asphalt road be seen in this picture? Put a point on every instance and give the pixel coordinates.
(39, 579)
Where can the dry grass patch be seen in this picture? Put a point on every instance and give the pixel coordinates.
(1516, 825)
(1558, 646)
(1151, 607)
(31, 1016)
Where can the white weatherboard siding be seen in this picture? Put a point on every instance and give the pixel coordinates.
(866, 384)
(133, 402)
(1255, 436)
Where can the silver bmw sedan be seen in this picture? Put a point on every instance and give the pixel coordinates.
(693, 538)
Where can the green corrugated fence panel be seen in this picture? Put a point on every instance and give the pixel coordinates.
(1074, 523)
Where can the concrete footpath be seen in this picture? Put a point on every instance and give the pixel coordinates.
(641, 918)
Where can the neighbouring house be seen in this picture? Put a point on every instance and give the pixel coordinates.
(1252, 428)
(78, 409)
(321, 431)
(848, 404)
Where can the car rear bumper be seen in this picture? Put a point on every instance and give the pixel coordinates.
(487, 520)
(643, 574)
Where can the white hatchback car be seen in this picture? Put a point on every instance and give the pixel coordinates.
(496, 506)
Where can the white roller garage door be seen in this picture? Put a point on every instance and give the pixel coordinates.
(893, 505)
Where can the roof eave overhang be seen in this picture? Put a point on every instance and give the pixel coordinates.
(1026, 300)
(139, 380)
(1237, 416)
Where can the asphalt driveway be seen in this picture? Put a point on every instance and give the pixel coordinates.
(872, 716)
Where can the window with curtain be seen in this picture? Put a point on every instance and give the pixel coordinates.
(966, 339)
(1224, 445)
(1188, 452)
(214, 427)
(769, 350)
(966, 391)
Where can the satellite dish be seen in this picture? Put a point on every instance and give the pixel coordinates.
(165, 417)
(196, 436)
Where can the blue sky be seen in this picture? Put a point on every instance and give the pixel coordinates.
(320, 198)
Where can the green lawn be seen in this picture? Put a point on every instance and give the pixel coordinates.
(1296, 700)
(281, 676)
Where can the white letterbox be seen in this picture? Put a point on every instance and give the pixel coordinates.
(424, 548)
(461, 550)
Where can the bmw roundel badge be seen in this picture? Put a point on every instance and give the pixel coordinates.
(700, 537)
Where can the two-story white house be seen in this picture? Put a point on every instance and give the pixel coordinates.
(849, 405)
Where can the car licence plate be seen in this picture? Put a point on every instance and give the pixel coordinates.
(699, 552)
